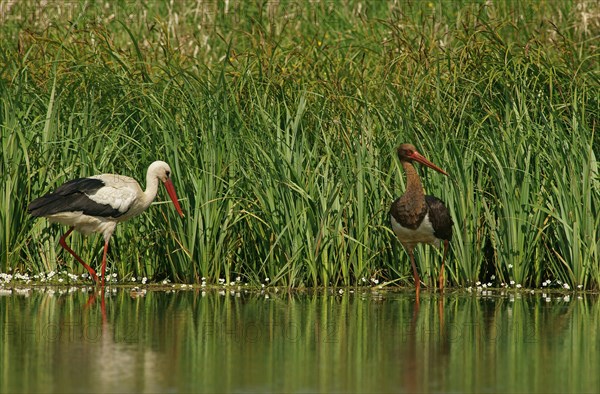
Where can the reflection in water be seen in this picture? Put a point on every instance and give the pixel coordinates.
(78, 341)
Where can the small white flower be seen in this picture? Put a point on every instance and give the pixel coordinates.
(341, 291)
(518, 286)
(144, 279)
(512, 282)
(477, 283)
(566, 286)
(489, 284)
(510, 266)
(133, 279)
(493, 277)
(580, 286)
(267, 279)
(238, 279)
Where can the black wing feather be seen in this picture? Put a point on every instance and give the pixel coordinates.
(73, 197)
(440, 219)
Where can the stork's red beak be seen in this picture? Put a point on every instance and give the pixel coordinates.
(171, 190)
(423, 160)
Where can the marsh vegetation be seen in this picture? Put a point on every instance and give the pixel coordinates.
(280, 119)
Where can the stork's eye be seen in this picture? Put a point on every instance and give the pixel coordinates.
(168, 174)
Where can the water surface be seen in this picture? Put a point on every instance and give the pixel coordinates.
(55, 340)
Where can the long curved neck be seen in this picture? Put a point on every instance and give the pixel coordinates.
(410, 209)
(151, 189)
(414, 188)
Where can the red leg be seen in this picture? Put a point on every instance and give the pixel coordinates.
(441, 313)
(63, 243)
(103, 306)
(415, 273)
(104, 261)
(92, 299)
(441, 278)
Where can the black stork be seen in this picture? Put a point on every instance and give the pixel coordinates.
(98, 203)
(417, 218)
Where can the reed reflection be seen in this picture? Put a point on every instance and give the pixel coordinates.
(366, 340)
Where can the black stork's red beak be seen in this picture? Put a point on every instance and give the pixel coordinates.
(171, 190)
(416, 156)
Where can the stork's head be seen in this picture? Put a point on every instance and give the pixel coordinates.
(162, 171)
(408, 153)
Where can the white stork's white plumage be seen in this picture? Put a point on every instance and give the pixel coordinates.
(98, 203)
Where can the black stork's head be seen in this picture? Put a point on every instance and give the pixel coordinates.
(408, 153)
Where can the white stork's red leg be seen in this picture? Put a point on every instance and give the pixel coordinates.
(63, 243)
(104, 261)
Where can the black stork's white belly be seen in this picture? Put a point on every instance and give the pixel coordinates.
(409, 237)
(431, 225)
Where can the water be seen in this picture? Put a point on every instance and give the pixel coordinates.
(364, 341)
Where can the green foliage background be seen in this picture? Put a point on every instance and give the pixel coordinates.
(280, 119)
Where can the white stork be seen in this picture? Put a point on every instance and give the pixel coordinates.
(417, 218)
(98, 203)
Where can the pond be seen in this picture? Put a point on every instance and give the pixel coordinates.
(351, 340)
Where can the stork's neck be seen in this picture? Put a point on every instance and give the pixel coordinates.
(410, 209)
(414, 188)
(151, 189)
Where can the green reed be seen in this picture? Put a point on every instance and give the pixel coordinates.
(281, 135)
